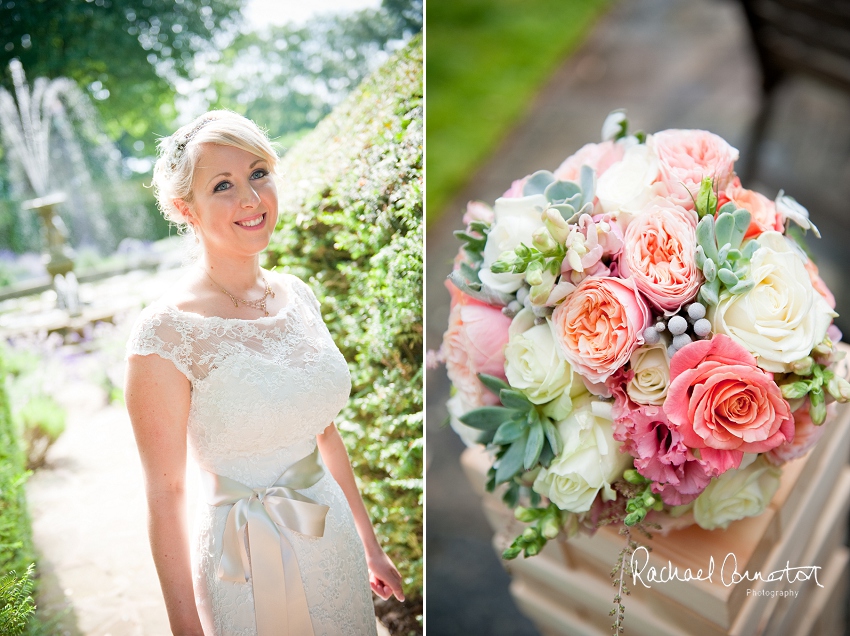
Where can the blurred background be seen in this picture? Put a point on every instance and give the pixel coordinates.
(515, 87)
(87, 87)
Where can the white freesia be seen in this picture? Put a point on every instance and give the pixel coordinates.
(516, 221)
(590, 461)
(651, 374)
(458, 407)
(782, 318)
(790, 210)
(627, 186)
(737, 494)
(534, 363)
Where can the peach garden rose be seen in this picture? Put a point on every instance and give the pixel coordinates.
(600, 324)
(686, 157)
(660, 244)
(763, 215)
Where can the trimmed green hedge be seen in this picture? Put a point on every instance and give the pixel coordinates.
(351, 226)
(16, 549)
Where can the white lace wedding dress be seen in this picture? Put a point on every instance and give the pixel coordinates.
(261, 390)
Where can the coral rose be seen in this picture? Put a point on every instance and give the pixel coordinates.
(686, 157)
(474, 343)
(659, 251)
(719, 398)
(763, 215)
(599, 326)
(600, 157)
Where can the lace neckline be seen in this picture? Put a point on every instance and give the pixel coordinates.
(290, 301)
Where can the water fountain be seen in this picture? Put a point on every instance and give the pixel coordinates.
(52, 138)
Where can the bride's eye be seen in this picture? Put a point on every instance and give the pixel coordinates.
(221, 187)
(259, 173)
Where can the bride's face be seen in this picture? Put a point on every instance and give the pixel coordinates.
(234, 210)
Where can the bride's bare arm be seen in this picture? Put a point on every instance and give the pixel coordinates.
(157, 397)
(383, 575)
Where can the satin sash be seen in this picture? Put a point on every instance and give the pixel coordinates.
(280, 603)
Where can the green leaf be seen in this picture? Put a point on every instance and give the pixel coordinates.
(727, 277)
(493, 383)
(533, 446)
(486, 418)
(514, 399)
(511, 462)
(724, 226)
(553, 436)
(509, 432)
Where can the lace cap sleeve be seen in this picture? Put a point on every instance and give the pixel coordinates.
(303, 289)
(157, 331)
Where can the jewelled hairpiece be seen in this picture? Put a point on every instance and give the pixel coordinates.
(180, 147)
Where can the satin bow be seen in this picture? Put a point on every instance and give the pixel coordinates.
(280, 603)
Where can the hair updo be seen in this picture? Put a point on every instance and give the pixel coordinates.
(174, 171)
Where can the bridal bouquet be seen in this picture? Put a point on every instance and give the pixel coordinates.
(638, 338)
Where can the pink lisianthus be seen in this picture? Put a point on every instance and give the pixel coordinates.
(763, 215)
(474, 343)
(719, 398)
(659, 252)
(660, 452)
(688, 156)
(599, 326)
(806, 435)
(599, 156)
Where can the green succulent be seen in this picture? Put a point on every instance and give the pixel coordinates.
(526, 436)
(719, 255)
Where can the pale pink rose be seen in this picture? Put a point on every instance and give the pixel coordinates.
(806, 435)
(659, 252)
(719, 398)
(599, 326)
(599, 156)
(818, 284)
(763, 216)
(660, 452)
(686, 157)
(478, 211)
(474, 343)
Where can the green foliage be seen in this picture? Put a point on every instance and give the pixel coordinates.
(351, 226)
(486, 60)
(16, 549)
(719, 255)
(16, 602)
(125, 52)
(42, 422)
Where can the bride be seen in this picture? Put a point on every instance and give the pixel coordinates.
(236, 366)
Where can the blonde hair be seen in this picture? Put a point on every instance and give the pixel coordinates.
(174, 171)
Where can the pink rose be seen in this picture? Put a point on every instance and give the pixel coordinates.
(474, 343)
(686, 157)
(806, 435)
(763, 216)
(599, 326)
(719, 398)
(660, 452)
(659, 251)
(600, 157)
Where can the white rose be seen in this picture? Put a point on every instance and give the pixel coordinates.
(516, 221)
(457, 408)
(737, 494)
(534, 363)
(627, 185)
(651, 374)
(782, 318)
(590, 462)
